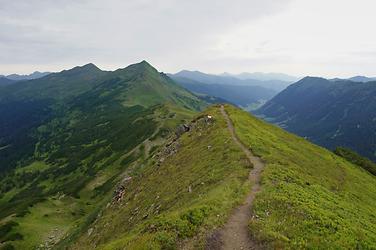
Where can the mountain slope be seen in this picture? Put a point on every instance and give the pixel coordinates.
(25, 105)
(151, 88)
(330, 113)
(153, 213)
(5, 81)
(78, 149)
(65, 84)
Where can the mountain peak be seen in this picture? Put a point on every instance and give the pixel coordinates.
(138, 68)
(184, 71)
(90, 66)
(144, 64)
(362, 79)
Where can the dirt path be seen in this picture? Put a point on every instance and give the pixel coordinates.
(234, 235)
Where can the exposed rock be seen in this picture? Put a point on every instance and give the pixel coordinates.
(120, 190)
(182, 129)
(126, 179)
(209, 119)
(119, 193)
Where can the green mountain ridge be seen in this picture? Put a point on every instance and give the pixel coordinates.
(329, 113)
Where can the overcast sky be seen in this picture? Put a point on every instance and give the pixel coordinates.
(331, 38)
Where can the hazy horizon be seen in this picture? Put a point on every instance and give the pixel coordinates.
(293, 37)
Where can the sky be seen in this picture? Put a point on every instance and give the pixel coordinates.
(329, 38)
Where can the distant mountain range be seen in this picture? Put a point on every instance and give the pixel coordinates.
(246, 93)
(331, 113)
(360, 79)
(241, 95)
(198, 76)
(16, 77)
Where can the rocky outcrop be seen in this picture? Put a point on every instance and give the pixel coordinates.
(120, 190)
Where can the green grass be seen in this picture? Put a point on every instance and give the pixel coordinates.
(48, 220)
(310, 198)
(34, 166)
(159, 212)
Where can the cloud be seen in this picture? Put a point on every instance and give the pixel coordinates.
(118, 32)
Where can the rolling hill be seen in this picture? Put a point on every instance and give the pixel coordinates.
(329, 113)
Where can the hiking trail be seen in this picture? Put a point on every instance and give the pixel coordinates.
(235, 233)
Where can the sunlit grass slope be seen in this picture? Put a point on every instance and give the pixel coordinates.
(310, 197)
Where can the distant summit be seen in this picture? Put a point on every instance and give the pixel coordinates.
(34, 75)
(362, 79)
(83, 70)
(356, 79)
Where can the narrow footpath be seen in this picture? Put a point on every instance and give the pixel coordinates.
(235, 235)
